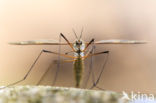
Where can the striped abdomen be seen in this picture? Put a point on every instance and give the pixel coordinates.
(78, 71)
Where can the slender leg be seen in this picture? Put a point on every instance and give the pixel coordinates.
(67, 41)
(99, 76)
(55, 62)
(93, 54)
(90, 65)
(59, 50)
(26, 75)
(65, 55)
(58, 64)
(63, 61)
(59, 57)
(92, 41)
(43, 75)
(30, 69)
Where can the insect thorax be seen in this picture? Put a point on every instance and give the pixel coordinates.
(79, 46)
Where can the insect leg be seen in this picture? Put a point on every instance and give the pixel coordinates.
(67, 41)
(26, 75)
(92, 41)
(30, 69)
(58, 64)
(90, 65)
(59, 51)
(99, 76)
(93, 54)
(43, 75)
(64, 55)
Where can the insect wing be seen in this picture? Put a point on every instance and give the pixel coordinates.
(38, 42)
(116, 41)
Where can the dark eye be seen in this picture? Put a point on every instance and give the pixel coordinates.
(77, 43)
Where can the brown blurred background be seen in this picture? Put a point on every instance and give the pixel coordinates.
(129, 67)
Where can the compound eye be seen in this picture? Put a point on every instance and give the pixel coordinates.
(77, 43)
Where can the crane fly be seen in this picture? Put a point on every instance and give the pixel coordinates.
(80, 50)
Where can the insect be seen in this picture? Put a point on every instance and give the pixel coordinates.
(81, 51)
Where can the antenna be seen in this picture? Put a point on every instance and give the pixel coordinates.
(75, 33)
(81, 33)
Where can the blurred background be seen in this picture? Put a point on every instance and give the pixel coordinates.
(129, 67)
